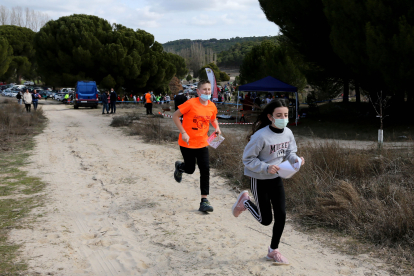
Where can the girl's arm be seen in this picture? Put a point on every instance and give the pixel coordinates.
(250, 157)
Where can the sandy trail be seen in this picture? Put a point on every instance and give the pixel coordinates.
(113, 208)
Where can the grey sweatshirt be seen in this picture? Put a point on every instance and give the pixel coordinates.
(267, 148)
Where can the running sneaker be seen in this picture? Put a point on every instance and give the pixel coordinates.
(178, 174)
(276, 257)
(238, 206)
(205, 207)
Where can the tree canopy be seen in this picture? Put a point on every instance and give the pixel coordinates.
(217, 45)
(365, 41)
(234, 56)
(21, 41)
(86, 47)
(6, 55)
(180, 66)
(376, 40)
(272, 59)
(219, 75)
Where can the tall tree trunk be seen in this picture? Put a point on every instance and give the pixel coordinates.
(357, 93)
(346, 91)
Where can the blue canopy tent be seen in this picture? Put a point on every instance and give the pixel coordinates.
(271, 85)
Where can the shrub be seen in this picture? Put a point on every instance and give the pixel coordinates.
(224, 76)
(154, 130)
(124, 120)
(15, 121)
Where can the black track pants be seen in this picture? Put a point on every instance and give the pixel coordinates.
(191, 156)
(269, 193)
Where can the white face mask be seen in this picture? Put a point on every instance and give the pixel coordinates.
(280, 123)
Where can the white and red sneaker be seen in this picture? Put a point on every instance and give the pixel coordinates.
(238, 207)
(276, 257)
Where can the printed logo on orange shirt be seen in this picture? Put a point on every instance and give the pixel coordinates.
(202, 122)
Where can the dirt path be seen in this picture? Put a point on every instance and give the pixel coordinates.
(113, 208)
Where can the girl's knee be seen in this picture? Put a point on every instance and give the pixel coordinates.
(266, 222)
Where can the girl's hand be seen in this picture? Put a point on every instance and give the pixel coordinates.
(185, 137)
(303, 161)
(273, 169)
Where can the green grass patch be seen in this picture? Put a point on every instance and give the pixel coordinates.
(15, 185)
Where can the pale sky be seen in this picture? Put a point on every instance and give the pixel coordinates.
(167, 20)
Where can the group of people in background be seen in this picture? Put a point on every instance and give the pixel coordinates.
(28, 99)
(109, 101)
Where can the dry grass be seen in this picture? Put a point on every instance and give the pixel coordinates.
(125, 120)
(154, 130)
(365, 194)
(227, 159)
(16, 123)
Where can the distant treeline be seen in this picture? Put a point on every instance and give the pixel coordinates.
(233, 57)
(218, 45)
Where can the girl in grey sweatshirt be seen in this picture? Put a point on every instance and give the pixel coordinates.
(270, 144)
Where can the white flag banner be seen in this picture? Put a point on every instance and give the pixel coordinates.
(212, 79)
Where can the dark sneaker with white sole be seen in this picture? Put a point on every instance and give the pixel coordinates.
(178, 174)
(205, 207)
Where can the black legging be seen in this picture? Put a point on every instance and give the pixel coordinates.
(149, 108)
(28, 106)
(113, 106)
(201, 156)
(266, 191)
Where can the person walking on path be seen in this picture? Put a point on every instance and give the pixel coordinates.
(270, 143)
(113, 98)
(35, 99)
(19, 97)
(149, 99)
(198, 114)
(104, 99)
(27, 99)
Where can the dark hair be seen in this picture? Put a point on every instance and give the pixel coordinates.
(262, 120)
(201, 82)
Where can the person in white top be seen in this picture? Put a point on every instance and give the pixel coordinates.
(269, 99)
(27, 99)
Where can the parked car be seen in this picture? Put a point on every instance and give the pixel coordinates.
(28, 83)
(86, 94)
(60, 96)
(64, 90)
(42, 93)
